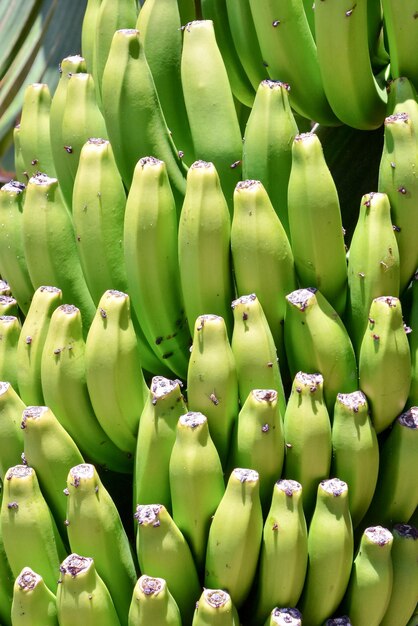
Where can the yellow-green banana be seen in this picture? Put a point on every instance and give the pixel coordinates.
(10, 327)
(400, 28)
(33, 603)
(413, 343)
(11, 436)
(88, 34)
(215, 607)
(152, 603)
(284, 617)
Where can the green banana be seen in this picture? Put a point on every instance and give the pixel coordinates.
(163, 552)
(370, 585)
(129, 93)
(13, 266)
(307, 434)
(64, 387)
(283, 554)
(413, 343)
(261, 255)
(7, 582)
(400, 31)
(330, 553)
(196, 482)
(25, 514)
(51, 451)
(210, 104)
(33, 603)
(316, 340)
(212, 381)
(402, 98)
(398, 179)
(114, 376)
(267, 145)
(150, 249)
(357, 97)
(258, 440)
(21, 174)
(4, 287)
(155, 440)
(404, 556)
(11, 436)
(88, 34)
(82, 596)
(216, 608)
(284, 617)
(235, 535)
(152, 603)
(8, 306)
(90, 505)
(414, 618)
(290, 52)
(204, 246)
(355, 451)
(50, 244)
(319, 253)
(10, 327)
(254, 350)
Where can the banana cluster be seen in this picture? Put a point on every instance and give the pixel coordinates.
(208, 397)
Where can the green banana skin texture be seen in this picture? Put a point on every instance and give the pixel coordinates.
(114, 375)
(358, 98)
(33, 603)
(134, 118)
(262, 257)
(152, 603)
(254, 350)
(12, 259)
(160, 26)
(204, 246)
(151, 259)
(370, 585)
(210, 105)
(235, 537)
(7, 578)
(283, 552)
(398, 179)
(215, 608)
(31, 343)
(283, 617)
(63, 376)
(330, 553)
(355, 451)
(307, 434)
(51, 451)
(98, 209)
(268, 136)
(25, 514)
(319, 254)
(385, 362)
(316, 340)
(404, 556)
(11, 436)
(82, 595)
(50, 244)
(290, 52)
(156, 436)
(413, 344)
(402, 98)
(163, 552)
(10, 327)
(212, 381)
(88, 34)
(373, 263)
(94, 527)
(400, 29)
(20, 171)
(258, 440)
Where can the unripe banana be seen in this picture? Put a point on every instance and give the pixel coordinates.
(212, 382)
(355, 451)
(31, 343)
(82, 596)
(156, 437)
(215, 608)
(90, 506)
(20, 170)
(204, 246)
(34, 137)
(284, 617)
(283, 553)
(413, 343)
(88, 34)
(51, 451)
(10, 328)
(414, 618)
(370, 585)
(235, 537)
(8, 305)
(254, 350)
(11, 436)
(307, 434)
(330, 553)
(4, 288)
(316, 340)
(13, 266)
(163, 552)
(7, 582)
(258, 440)
(402, 97)
(152, 603)
(33, 603)
(401, 32)
(404, 555)
(25, 514)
